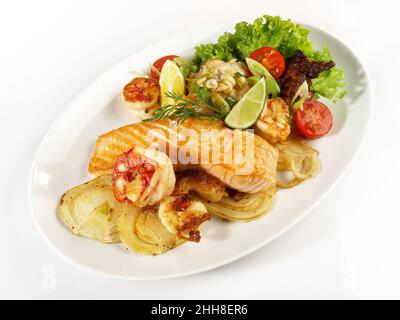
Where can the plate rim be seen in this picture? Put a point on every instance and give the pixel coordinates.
(241, 254)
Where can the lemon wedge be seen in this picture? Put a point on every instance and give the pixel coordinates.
(171, 80)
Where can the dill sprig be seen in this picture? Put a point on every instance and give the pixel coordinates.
(184, 108)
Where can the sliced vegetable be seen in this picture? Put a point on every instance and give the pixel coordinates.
(142, 232)
(158, 64)
(300, 96)
(257, 69)
(313, 119)
(90, 210)
(251, 206)
(271, 59)
(221, 103)
(297, 157)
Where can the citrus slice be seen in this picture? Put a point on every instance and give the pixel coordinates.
(246, 112)
(171, 81)
(258, 69)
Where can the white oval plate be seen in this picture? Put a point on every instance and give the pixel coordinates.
(62, 159)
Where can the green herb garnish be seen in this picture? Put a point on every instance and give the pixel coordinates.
(184, 108)
(238, 74)
(231, 101)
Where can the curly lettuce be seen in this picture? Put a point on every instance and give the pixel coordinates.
(221, 50)
(330, 84)
(284, 36)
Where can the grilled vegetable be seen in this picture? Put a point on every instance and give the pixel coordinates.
(142, 232)
(251, 206)
(90, 210)
(300, 159)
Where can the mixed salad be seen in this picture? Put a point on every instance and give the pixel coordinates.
(266, 75)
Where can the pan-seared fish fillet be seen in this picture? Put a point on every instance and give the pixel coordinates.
(239, 159)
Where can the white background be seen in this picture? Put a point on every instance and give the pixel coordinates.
(347, 248)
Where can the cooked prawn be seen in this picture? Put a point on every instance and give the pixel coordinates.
(274, 122)
(183, 216)
(143, 177)
(141, 96)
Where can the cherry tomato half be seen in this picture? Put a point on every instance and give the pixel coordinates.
(313, 119)
(158, 64)
(271, 59)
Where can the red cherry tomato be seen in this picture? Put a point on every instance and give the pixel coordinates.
(271, 59)
(313, 119)
(158, 64)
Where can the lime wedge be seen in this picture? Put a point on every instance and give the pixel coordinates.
(171, 80)
(258, 69)
(246, 112)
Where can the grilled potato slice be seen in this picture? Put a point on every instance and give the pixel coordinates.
(90, 210)
(142, 232)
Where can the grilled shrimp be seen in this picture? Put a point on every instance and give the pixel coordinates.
(208, 187)
(273, 124)
(143, 177)
(183, 216)
(141, 96)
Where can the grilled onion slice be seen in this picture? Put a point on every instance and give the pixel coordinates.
(142, 232)
(297, 157)
(251, 207)
(90, 210)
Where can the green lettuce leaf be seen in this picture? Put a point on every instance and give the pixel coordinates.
(284, 36)
(273, 32)
(220, 50)
(330, 84)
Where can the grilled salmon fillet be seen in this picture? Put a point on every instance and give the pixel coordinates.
(208, 187)
(240, 159)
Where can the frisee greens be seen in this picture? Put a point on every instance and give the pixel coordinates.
(284, 36)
